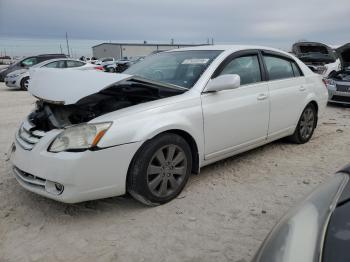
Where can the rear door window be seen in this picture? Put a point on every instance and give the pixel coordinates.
(278, 68)
(71, 63)
(296, 70)
(56, 64)
(247, 67)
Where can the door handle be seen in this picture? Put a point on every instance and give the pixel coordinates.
(302, 88)
(262, 97)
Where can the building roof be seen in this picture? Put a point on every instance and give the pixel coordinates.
(148, 44)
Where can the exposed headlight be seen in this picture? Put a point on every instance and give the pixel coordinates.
(79, 137)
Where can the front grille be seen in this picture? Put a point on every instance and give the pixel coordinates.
(345, 99)
(29, 179)
(27, 137)
(343, 88)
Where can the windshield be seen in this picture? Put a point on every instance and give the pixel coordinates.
(181, 68)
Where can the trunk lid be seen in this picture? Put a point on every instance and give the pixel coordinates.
(313, 52)
(343, 53)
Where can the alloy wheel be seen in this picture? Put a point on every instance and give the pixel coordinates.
(166, 170)
(307, 123)
(26, 84)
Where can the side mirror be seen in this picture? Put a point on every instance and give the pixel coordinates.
(223, 82)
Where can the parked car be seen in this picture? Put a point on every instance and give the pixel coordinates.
(93, 60)
(121, 65)
(95, 135)
(105, 61)
(19, 79)
(319, 57)
(27, 62)
(316, 230)
(338, 84)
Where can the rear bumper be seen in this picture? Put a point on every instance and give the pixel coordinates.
(84, 175)
(338, 97)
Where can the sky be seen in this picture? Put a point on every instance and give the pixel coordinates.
(276, 23)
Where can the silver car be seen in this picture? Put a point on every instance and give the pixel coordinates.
(338, 85)
(315, 231)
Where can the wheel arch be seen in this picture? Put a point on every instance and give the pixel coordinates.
(185, 135)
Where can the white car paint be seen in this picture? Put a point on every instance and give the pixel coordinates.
(13, 79)
(222, 124)
(85, 83)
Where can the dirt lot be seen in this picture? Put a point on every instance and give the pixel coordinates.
(223, 214)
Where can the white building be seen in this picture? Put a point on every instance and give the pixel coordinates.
(129, 50)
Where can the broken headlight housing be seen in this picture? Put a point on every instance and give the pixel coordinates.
(79, 137)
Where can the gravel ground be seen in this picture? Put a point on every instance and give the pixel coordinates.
(223, 214)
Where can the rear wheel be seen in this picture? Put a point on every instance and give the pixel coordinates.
(160, 169)
(25, 83)
(306, 125)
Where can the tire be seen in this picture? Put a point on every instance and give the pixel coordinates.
(306, 125)
(160, 169)
(24, 83)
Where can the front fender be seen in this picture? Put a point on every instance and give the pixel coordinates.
(144, 125)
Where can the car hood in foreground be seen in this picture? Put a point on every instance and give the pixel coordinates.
(300, 234)
(69, 86)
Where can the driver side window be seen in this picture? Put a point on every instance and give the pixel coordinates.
(247, 67)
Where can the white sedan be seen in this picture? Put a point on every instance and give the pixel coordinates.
(95, 135)
(19, 79)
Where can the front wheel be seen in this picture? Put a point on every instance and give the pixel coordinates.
(25, 83)
(306, 125)
(160, 169)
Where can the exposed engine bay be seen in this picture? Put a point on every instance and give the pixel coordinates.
(48, 115)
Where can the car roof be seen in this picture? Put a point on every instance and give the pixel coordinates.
(54, 60)
(226, 48)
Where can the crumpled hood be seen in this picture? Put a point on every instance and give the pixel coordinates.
(69, 86)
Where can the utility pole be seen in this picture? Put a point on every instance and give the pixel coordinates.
(67, 44)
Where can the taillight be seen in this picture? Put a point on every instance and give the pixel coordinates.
(99, 68)
(325, 81)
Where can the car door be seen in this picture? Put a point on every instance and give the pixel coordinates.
(287, 92)
(239, 117)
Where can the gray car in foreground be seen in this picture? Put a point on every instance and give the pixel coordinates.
(317, 230)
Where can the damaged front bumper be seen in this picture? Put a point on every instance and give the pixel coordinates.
(71, 176)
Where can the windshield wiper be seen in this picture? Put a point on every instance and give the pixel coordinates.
(158, 83)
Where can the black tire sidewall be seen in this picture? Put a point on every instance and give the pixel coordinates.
(22, 83)
(137, 177)
(299, 136)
